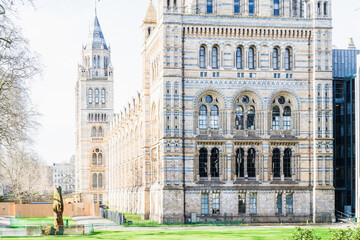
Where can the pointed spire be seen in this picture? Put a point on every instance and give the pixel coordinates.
(151, 15)
(96, 37)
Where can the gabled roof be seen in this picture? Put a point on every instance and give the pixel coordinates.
(96, 36)
(151, 15)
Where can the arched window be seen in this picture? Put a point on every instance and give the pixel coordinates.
(319, 8)
(251, 170)
(287, 163)
(90, 96)
(239, 119)
(202, 57)
(94, 62)
(209, 6)
(251, 6)
(214, 161)
(103, 96)
(94, 180)
(276, 118)
(287, 118)
(203, 156)
(215, 57)
(251, 60)
(251, 119)
(240, 163)
(276, 163)
(98, 62)
(203, 117)
(168, 4)
(276, 59)
(236, 6)
(288, 59)
(94, 159)
(214, 117)
(294, 8)
(276, 7)
(93, 132)
(325, 8)
(239, 58)
(100, 180)
(100, 159)
(100, 132)
(96, 96)
(175, 3)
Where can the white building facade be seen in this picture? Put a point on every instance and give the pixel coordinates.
(64, 176)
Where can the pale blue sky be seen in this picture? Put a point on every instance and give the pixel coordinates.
(57, 29)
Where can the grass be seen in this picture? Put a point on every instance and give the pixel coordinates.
(23, 222)
(254, 234)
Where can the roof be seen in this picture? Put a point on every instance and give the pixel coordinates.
(96, 37)
(151, 15)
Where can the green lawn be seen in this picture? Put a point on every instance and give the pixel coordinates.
(254, 234)
(22, 222)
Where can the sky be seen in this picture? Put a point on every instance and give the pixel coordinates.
(58, 29)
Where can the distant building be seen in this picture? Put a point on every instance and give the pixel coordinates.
(344, 70)
(64, 175)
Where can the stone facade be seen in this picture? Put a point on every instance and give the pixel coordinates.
(234, 117)
(94, 112)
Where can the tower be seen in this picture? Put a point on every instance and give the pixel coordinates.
(94, 111)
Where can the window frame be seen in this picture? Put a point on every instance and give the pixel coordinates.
(251, 6)
(216, 203)
(202, 57)
(242, 203)
(276, 7)
(204, 203)
(239, 58)
(236, 6)
(253, 203)
(215, 57)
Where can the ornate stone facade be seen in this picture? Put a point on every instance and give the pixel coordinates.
(234, 117)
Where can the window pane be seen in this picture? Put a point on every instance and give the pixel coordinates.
(202, 57)
(209, 6)
(276, 118)
(279, 204)
(239, 58)
(242, 203)
(287, 163)
(251, 6)
(239, 118)
(94, 159)
(251, 170)
(214, 161)
(94, 180)
(214, 117)
(289, 204)
(216, 203)
(215, 57)
(100, 180)
(287, 118)
(240, 162)
(251, 58)
(275, 59)
(203, 117)
(276, 8)
(251, 119)
(276, 163)
(203, 156)
(253, 207)
(236, 6)
(204, 203)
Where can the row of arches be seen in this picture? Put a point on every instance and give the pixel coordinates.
(241, 53)
(97, 117)
(96, 62)
(94, 96)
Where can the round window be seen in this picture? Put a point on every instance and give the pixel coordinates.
(209, 99)
(281, 100)
(245, 99)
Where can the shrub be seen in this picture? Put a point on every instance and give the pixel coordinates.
(304, 234)
(348, 234)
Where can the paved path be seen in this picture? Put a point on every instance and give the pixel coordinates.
(103, 224)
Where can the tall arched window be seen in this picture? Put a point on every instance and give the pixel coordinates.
(214, 117)
(288, 59)
(209, 6)
(100, 159)
(168, 4)
(175, 3)
(94, 62)
(276, 163)
(287, 163)
(276, 118)
(239, 118)
(239, 58)
(214, 161)
(251, 6)
(240, 163)
(325, 8)
(203, 157)
(98, 62)
(101, 134)
(94, 159)
(93, 132)
(251, 170)
(96, 96)
(236, 6)
(100, 180)
(276, 7)
(276, 59)
(215, 57)
(103, 96)
(202, 57)
(94, 180)
(203, 117)
(294, 8)
(251, 119)
(319, 8)
(90, 96)
(251, 60)
(287, 118)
